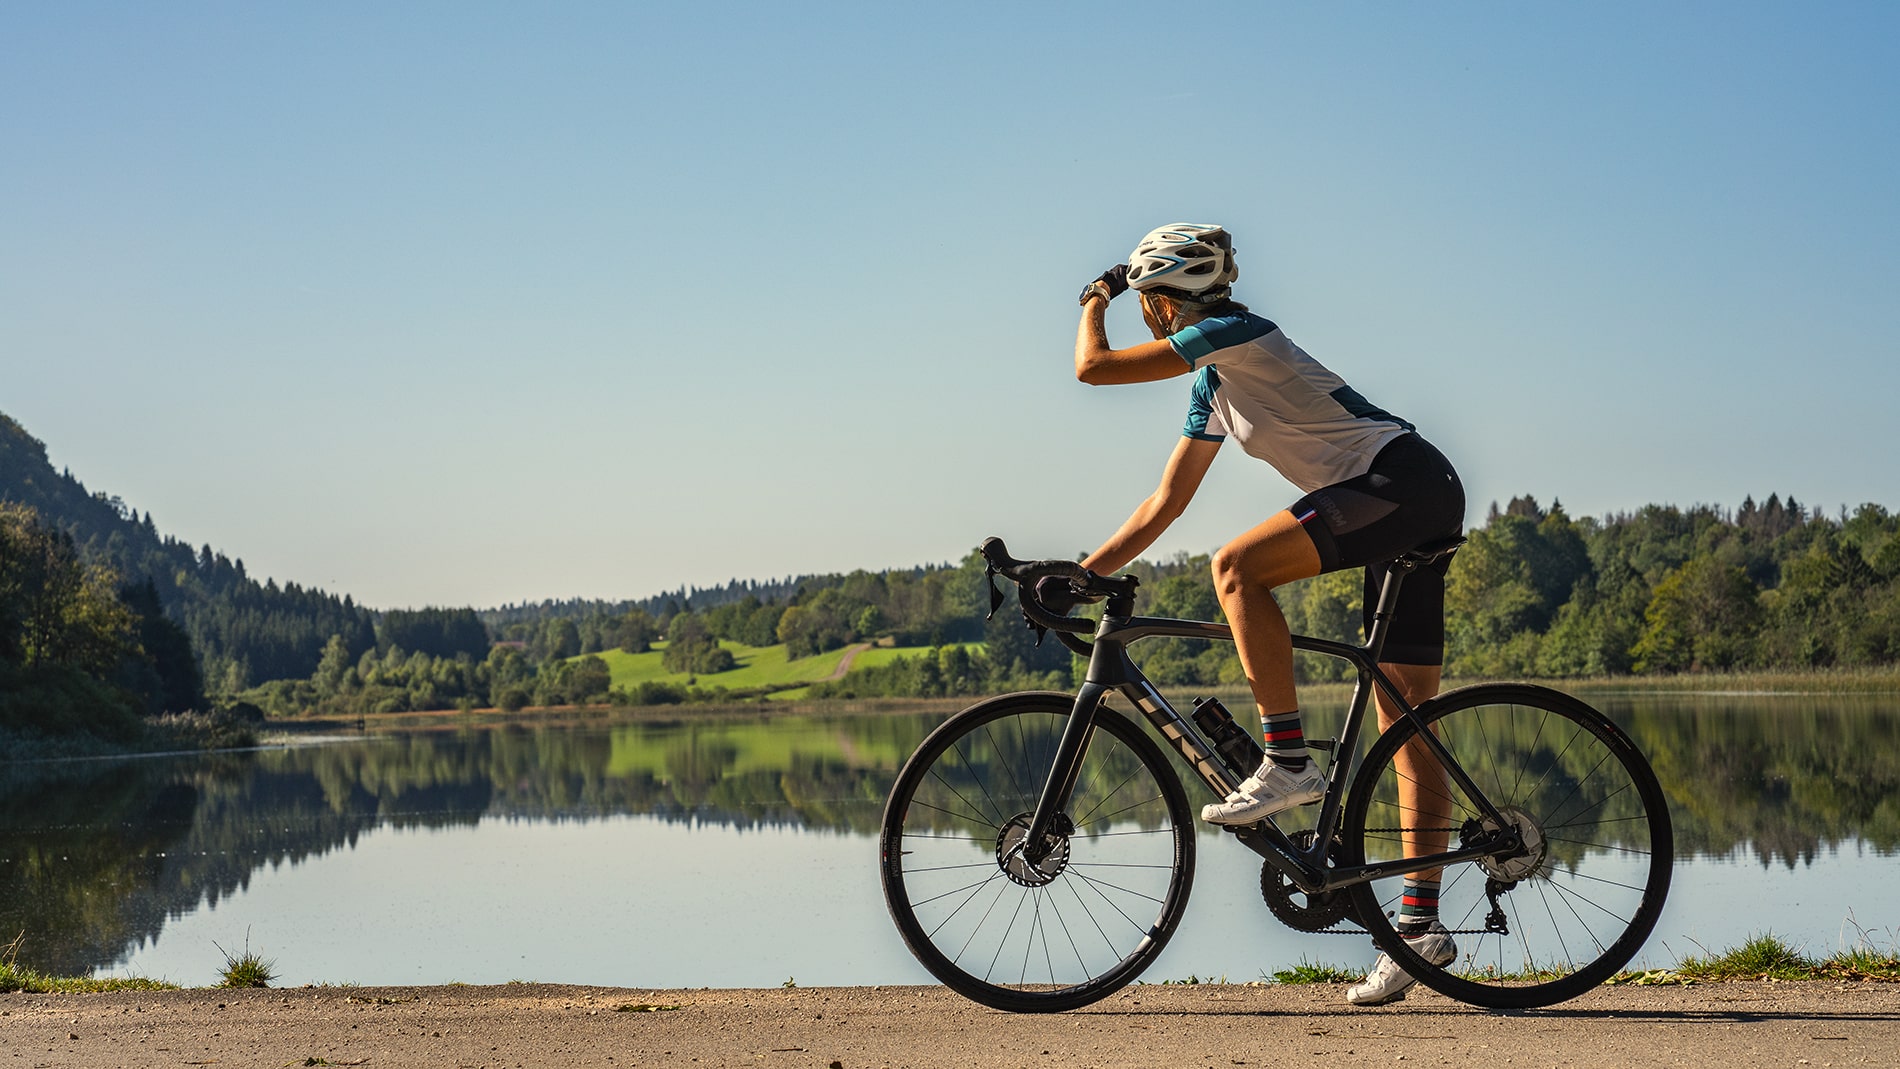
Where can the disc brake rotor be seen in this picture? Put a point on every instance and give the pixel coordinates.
(1512, 869)
(1015, 864)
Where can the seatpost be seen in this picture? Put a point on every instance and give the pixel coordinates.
(1388, 604)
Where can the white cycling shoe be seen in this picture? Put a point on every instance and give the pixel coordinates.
(1387, 982)
(1268, 791)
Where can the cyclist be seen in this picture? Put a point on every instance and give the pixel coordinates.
(1373, 488)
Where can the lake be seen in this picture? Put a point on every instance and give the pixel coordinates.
(740, 851)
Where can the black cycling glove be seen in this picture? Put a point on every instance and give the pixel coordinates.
(1054, 593)
(1115, 278)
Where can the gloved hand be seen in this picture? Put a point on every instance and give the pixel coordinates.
(1115, 280)
(1056, 595)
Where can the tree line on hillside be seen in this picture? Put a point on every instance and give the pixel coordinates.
(1534, 593)
(243, 631)
(533, 614)
(1665, 590)
(80, 647)
(554, 660)
(1770, 586)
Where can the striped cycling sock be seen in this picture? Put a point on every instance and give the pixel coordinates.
(1418, 909)
(1286, 742)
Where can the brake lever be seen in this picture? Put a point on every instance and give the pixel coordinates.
(1041, 631)
(996, 596)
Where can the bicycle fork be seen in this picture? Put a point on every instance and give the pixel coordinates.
(1047, 825)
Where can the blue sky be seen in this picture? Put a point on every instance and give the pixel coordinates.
(472, 303)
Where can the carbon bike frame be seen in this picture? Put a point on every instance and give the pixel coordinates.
(1111, 669)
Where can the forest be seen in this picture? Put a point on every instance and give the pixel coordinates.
(103, 620)
(1535, 593)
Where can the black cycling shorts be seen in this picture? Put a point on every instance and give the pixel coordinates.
(1410, 495)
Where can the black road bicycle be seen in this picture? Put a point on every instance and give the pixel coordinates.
(1037, 851)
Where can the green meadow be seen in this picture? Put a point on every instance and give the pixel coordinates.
(759, 667)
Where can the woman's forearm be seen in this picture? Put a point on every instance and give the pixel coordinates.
(1179, 480)
(1091, 339)
(1136, 534)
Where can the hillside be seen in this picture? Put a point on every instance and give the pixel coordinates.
(243, 631)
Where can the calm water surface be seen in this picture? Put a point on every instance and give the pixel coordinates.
(742, 852)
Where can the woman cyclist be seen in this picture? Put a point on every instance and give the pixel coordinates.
(1373, 488)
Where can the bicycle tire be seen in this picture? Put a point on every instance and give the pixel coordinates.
(1579, 905)
(992, 929)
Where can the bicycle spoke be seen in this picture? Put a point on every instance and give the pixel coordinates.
(1124, 809)
(1089, 817)
(999, 751)
(973, 888)
(1000, 891)
(1562, 943)
(947, 868)
(1606, 847)
(1093, 882)
(959, 816)
(1001, 813)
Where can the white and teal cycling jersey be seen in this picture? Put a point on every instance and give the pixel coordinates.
(1284, 406)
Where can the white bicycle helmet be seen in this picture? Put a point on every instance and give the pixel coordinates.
(1191, 259)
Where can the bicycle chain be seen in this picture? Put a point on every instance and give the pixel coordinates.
(1492, 887)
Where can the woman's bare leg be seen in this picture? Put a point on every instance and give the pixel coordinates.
(1245, 572)
(1424, 792)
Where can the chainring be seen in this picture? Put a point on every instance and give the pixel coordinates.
(1295, 908)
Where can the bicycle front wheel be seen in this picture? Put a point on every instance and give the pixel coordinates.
(1048, 934)
(1547, 923)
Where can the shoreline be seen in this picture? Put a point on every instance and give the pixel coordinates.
(273, 733)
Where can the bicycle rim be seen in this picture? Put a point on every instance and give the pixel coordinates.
(1082, 922)
(1562, 917)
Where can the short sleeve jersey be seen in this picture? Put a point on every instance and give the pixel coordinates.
(1285, 407)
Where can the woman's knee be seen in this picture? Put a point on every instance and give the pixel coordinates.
(1254, 561)
(1229, 568)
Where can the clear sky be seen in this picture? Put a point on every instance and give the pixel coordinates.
(467, 303)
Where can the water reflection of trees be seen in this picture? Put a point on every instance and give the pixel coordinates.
(1784, 777)
(94, 856)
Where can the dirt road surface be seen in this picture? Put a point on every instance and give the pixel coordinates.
(526, 1025)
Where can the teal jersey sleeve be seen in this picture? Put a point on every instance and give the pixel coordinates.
(1203, 423)
(1202, 340)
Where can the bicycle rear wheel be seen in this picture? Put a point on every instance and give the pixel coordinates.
(1067, 930)
(1577, 904)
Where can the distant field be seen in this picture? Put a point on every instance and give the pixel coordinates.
(882, 655)
(759, 666)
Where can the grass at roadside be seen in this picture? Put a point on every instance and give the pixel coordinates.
(1762, 957)
(1765, 957)
(14, 978)
(32, 982)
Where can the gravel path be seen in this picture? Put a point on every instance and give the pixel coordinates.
(525, 1025)
(844, 664)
